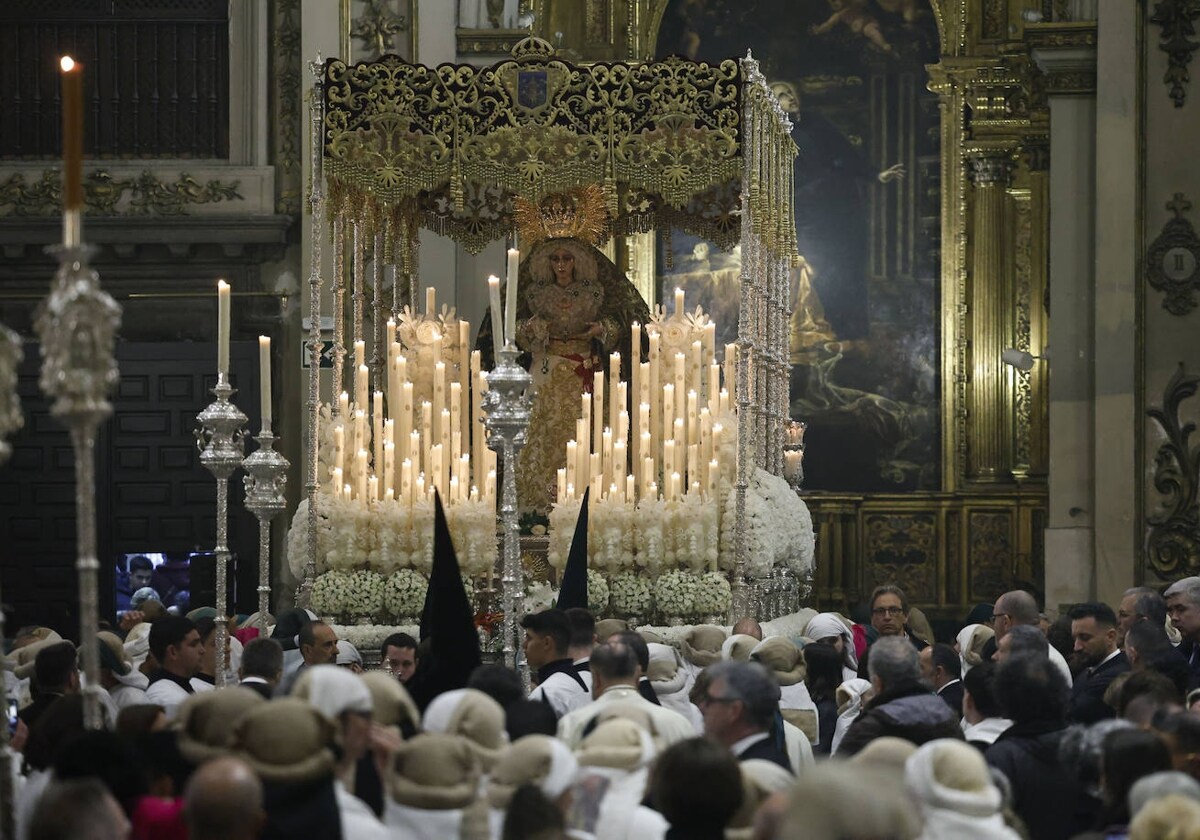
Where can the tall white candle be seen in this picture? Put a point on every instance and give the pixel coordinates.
(497, 316)
(597, 406)
(430, 302)
(360, 354)
(264, 384)
(572, 462)
(614, 382)
(222, 327)
(360, 387)
(390, 331)
(678, 301)
(339, 449)
(510, 304)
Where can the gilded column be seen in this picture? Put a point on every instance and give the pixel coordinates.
(990, 301)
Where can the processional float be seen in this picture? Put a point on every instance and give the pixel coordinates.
(397, 147)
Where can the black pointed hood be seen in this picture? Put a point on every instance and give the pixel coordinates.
(448, 637)
(574, 589)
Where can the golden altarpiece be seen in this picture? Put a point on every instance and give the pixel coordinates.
(981, 532)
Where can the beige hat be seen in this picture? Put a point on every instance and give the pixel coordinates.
(608, 626)
(618, 743)
(760, 779)
(137, 641)
(435, 772)
(664, 662)
(118, 662)
(472, 714)
(702, 645)
(887, 752)
(206, 721)
(393, 705)
(535, 759)
(651, 638)
(332, 691)
(782, 658)
(738, 647)
(22, 659)
(285, 741)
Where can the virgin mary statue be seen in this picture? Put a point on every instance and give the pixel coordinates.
(574, 307)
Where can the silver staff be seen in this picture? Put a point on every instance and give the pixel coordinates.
(508, 407)
(219, 439)
(77, 325)
(266, 474)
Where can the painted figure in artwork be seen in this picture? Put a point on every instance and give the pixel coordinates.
(574, 307)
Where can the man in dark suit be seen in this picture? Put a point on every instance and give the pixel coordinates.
(1183, 607)
(1094, 628)
(262, 666)
(739, 707)
(942, 668)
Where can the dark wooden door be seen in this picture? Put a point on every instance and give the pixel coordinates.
(152, 493)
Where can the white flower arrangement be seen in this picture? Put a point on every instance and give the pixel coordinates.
(630, 595)
(331, 593)
(539, 596)
(597, 593)
(366, 594)
(778, 528)
(675, 594)
(713, 595)
(404, 594)
(369, 637)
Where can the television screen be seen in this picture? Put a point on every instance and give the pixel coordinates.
(179, 581)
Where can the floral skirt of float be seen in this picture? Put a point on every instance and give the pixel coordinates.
(558, 382)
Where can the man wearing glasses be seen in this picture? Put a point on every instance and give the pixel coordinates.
(889, 618)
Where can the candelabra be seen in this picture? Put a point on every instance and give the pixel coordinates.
(266, 473)
(219, 439)
(77, 325)
(508, 407)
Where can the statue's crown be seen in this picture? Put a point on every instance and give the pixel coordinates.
(580, 213)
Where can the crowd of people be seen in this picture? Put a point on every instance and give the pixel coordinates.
(1023, 725)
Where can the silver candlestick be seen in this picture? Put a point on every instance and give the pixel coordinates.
(219, 439)
(77, 325)
(507, 404)
(266, 473)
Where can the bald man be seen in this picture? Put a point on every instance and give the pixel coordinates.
(224, 801)
(1017, 608)
(748, 627)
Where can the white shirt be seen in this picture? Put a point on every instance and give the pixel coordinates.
(418, 823)
(562, 692)
(670, 726)
(986, 731)
(358, 820)
(740, 746)
(168, 694)
(127, 695)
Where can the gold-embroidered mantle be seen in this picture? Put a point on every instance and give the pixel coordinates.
(449, 148)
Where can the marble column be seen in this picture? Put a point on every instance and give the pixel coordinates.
(1070, 535)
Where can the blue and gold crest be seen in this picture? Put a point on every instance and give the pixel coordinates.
(532, 88)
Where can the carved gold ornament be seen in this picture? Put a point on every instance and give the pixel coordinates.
(452, 148)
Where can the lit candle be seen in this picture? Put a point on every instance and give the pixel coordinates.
(339, 448)
(360, 354)
(391, 333)
(406, 477)
(343, 404)
(510, 288)
(430, 302)
(264, 384)
(72, 138)
(723, 402)
(585, 440)
(497, 316)
(597, 406)
(372, 488)
(360, 387)
(222, 327)
(678, 301)
(572, 467)
(630, 490)
(360, 473)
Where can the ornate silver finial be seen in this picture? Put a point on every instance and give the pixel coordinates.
(266, 474)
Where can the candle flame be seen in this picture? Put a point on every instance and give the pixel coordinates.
(67, 63)
(221, 284)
